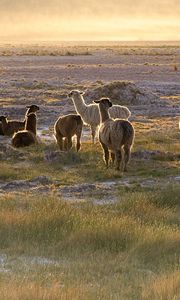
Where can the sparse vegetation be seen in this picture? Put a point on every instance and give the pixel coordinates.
(89, 251)
(89, 248)
(69, 227)
(43, 50)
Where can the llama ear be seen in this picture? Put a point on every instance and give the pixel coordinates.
(96, 101)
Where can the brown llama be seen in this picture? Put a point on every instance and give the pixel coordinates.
(26, 137)
(10, 127)
(65, 128)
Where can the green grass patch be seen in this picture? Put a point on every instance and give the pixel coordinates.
(87, 165)
(164, 140)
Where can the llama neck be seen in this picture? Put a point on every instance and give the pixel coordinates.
(79, 104)
(31, 123)
(27, 112)
(104, 114)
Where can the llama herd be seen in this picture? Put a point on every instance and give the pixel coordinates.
(116, 133)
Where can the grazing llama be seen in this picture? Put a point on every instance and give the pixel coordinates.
(65, 128)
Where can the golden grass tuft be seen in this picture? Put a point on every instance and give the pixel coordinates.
(164, 287)
(30, 290)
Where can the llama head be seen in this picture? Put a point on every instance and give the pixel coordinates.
(3, 118)
(105, 102)
(32, 108)
(75, 93)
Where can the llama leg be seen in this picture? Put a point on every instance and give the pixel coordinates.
(69, 143)
(59, 139)
(112, 157)
(65, 144)
(106, 154)
(127, 155)
(78, 144)
(78, 136)
(93, 133)
(118, 156)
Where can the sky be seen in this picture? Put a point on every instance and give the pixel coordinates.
(66, 20)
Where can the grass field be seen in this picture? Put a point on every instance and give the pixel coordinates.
(130, 249)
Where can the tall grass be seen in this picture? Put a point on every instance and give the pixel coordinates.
(102, 252)
(165, 287)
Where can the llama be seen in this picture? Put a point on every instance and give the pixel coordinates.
(10, 127)
(114, 135)
(65, 128)
(26, 137)
(90, 113)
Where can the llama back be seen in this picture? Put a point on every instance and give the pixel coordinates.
(68, 124)
(92, 115)
(12, 127)
(123, 132)
(17, 125)
(23, 139)
(118, 111)
(76, 118)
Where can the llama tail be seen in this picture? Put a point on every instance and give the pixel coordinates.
(79, 120)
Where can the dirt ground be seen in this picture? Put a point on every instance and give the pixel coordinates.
(46, 80)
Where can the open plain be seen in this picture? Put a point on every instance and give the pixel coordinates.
(69, 227)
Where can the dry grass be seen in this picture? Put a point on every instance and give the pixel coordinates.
(26, 290)
(129, 250)
(43, 50)
(165, 287)
(88, 48)
(106, 252)
(88, 165)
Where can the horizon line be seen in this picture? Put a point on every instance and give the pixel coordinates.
(81, 41)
